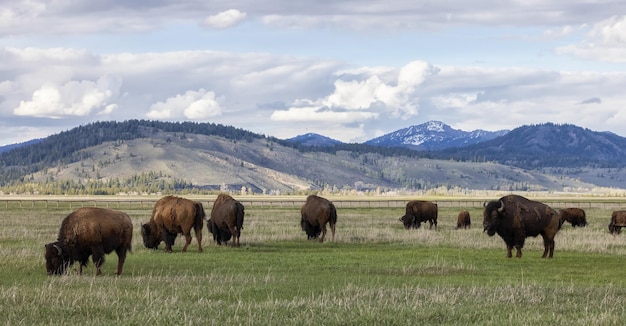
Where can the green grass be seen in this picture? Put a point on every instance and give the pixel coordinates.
(374, 273)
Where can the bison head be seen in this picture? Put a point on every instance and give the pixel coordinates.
(57, 260)
(492, 216)
(151, 235)
(612, 228)
(312, 231)
(409, 221)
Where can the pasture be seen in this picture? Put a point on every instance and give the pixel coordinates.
(374, 273)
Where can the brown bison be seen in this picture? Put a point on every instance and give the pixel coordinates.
(418, 211)
(316, 213)
(514, 218)
(575, 216)
(618, 220)
(463, 220)
(226, 219)
(90, 231)
(172, 215)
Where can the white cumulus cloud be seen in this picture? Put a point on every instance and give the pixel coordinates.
(74, 98)
(225, 19)
(605, 42)
(194, 105)
(357, 100)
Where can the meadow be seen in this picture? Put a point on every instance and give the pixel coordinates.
(373, 273)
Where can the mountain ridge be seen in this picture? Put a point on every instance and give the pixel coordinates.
(215, 157)
(433, 135)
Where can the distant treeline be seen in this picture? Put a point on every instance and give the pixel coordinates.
(145, 183)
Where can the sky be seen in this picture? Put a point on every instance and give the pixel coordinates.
(350, 70)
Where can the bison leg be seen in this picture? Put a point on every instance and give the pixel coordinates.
(548, 247)
(323, 227)
(518, 250)
(199, 238)
(187, 241)
(235, 234)
(98, 260)
(121, 258)
(169, 239)
(509, 254)
(83, 260)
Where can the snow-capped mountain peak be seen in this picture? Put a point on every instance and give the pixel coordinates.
(433, 135)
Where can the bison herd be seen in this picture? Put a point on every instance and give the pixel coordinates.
(91, 231)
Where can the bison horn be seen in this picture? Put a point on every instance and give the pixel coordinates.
(59, 251)
(501, 209)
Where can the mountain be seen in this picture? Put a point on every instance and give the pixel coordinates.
(433, 136)
(139, 156)
(547, 145)
(312, 139)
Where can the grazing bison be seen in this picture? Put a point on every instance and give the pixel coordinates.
(463, 221)
(90, 231)
(514, 218)
(316, 213)
(618, 220)
(418, 211)
(575, 216)
(226, 219)
(173, 215)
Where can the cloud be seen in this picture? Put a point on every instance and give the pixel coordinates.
(593, 100)
(369, 96)
(21, 17)
(605, 42)
(192, 105)
(225, 19)
(74, 98)
(315, 114)
(283, 96)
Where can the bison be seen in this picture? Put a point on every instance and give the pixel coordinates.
(463, 220)
(514, 218)
(618, 220)
(90, 231)
(575, 216)
(172, 215)
(418, 211)
(316, 213)
(226, 219)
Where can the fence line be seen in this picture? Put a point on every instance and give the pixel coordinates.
(284, 203)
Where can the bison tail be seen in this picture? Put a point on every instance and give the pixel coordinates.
(332, 219)
(200, 216)
(240, 215)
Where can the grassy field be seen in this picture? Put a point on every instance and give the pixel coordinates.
(374, 273)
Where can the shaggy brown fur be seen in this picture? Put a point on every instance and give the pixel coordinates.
(463, 220)
(226, 219)
(315, 214)
(618, 220)
(514, 218)
(575, 216)
(418, 211)
(90, 231)
(173, 215)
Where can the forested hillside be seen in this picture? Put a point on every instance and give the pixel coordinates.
(139, 156)
(547, 145)
(65, 147)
